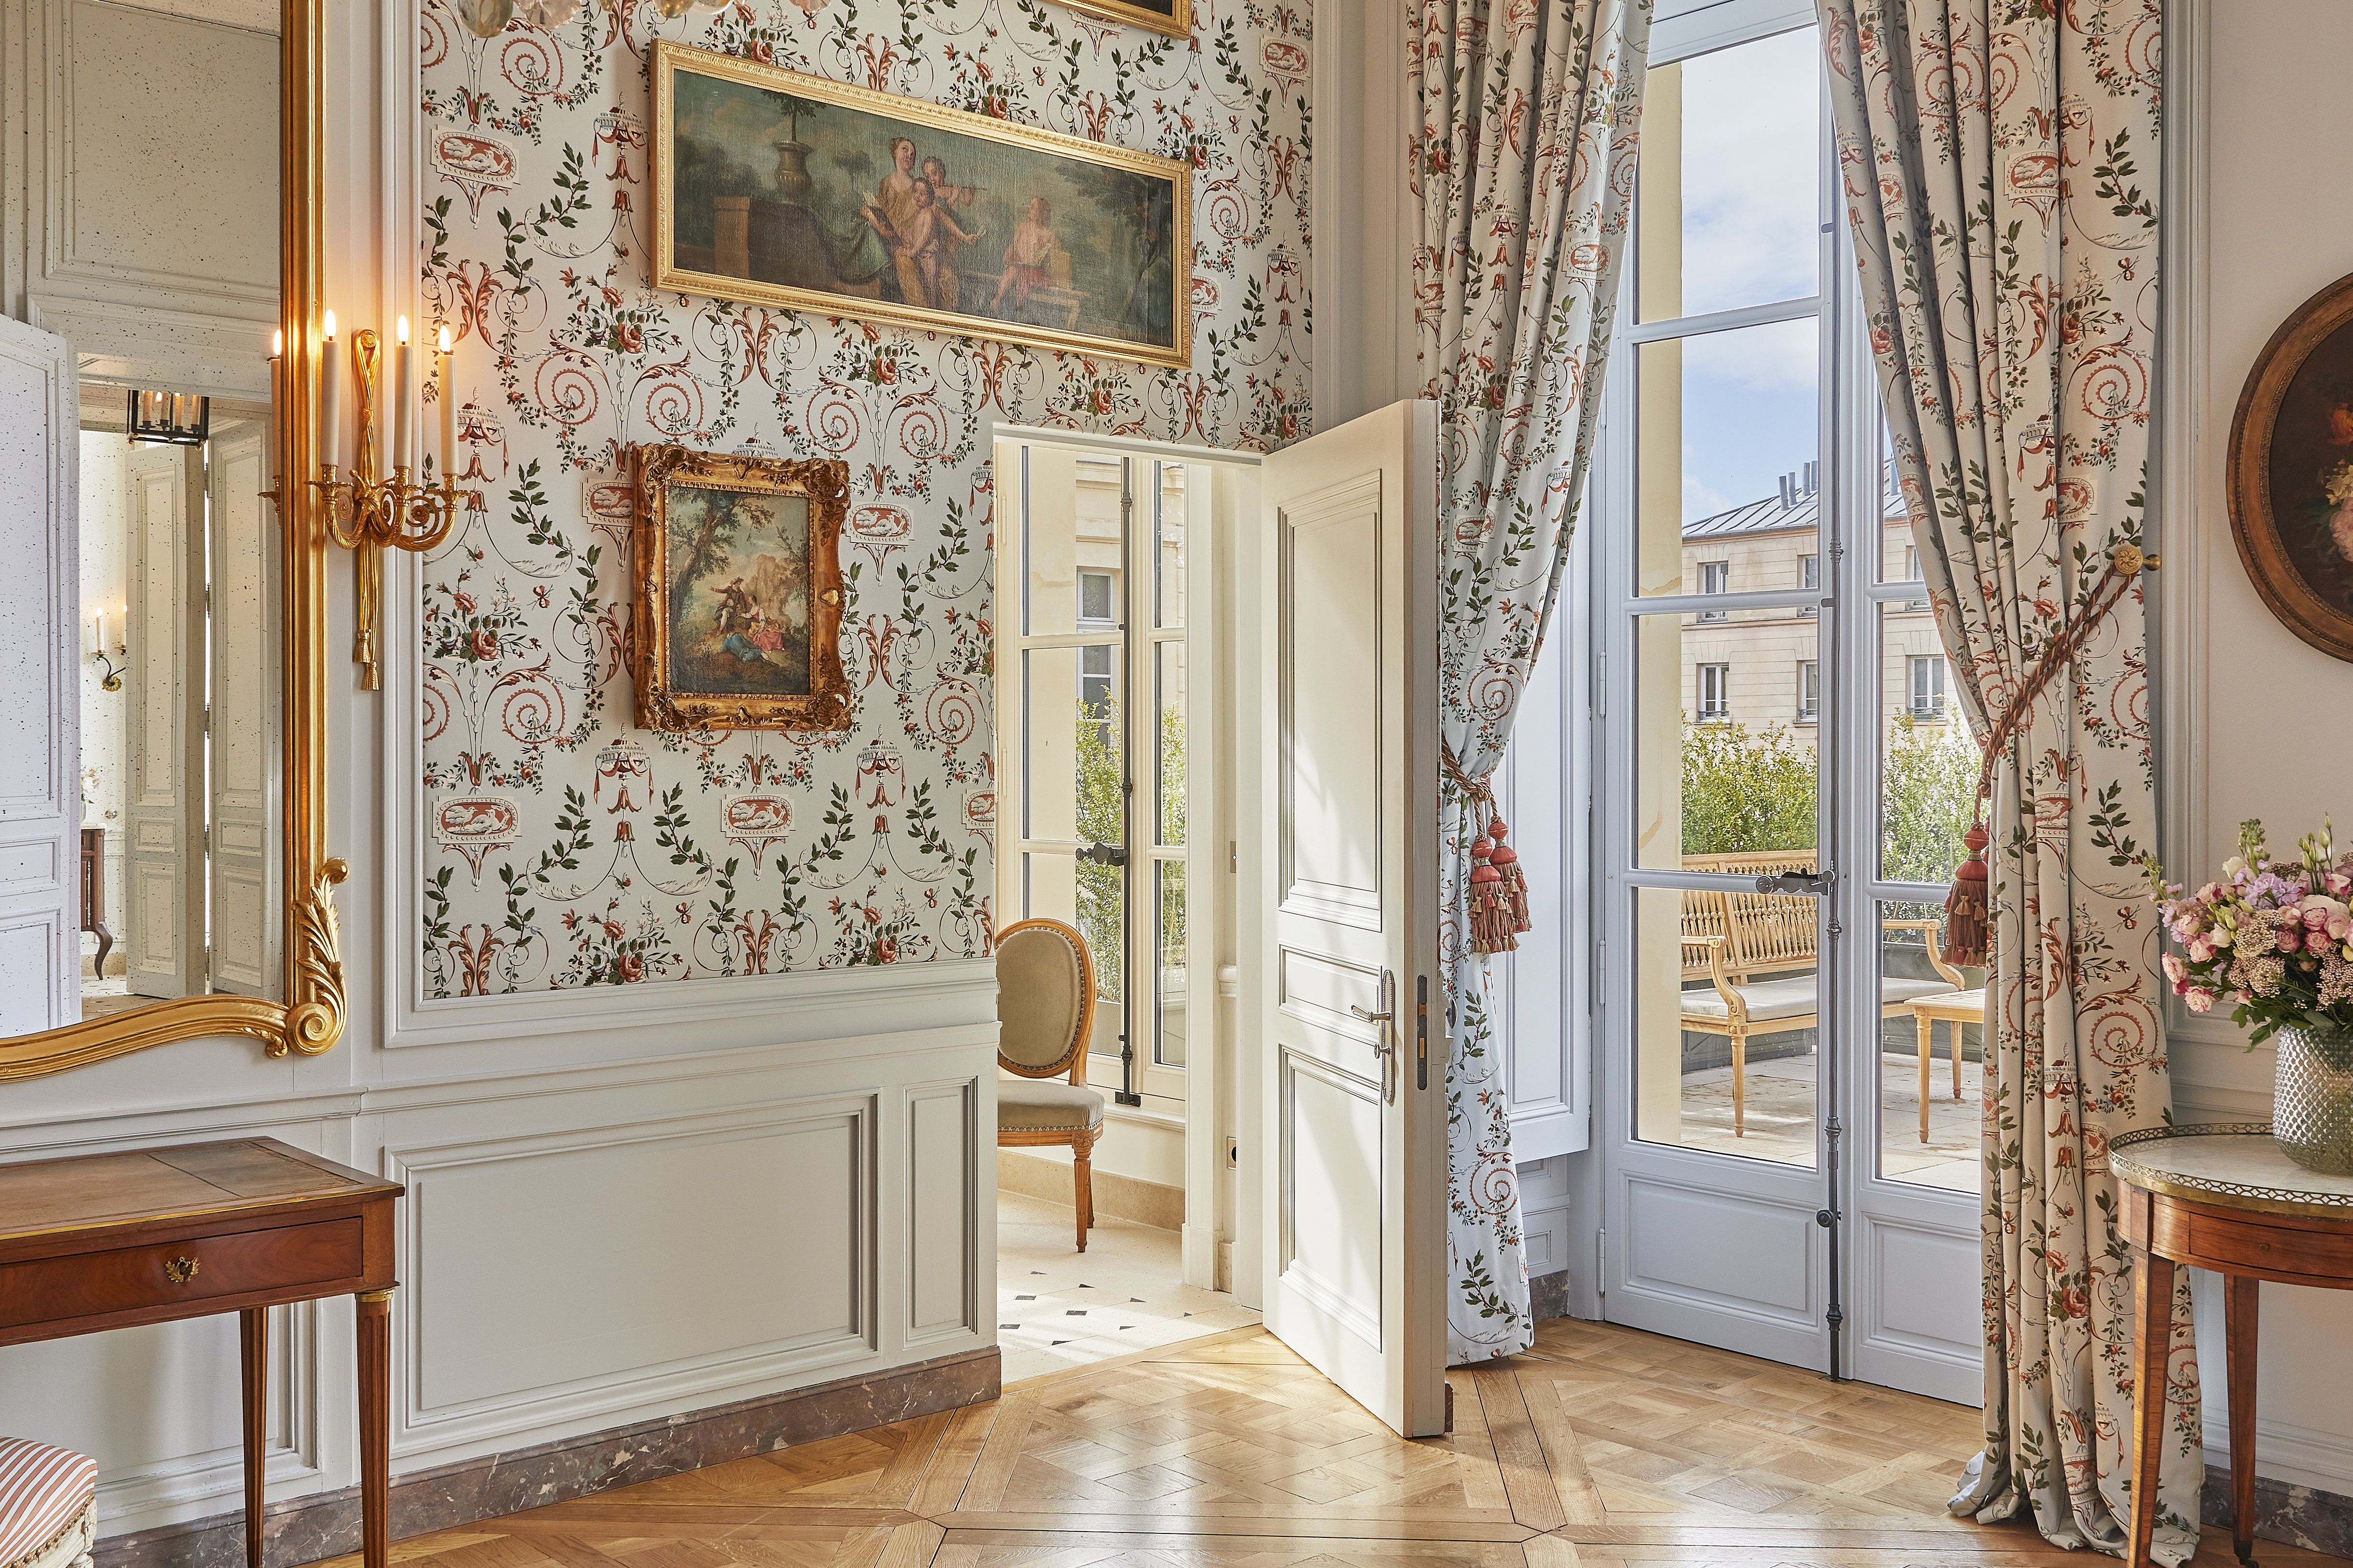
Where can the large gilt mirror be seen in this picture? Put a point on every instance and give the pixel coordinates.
(164, 873)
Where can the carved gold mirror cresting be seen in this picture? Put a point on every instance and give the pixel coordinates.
(307, 1015)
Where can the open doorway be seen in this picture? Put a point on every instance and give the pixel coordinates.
(1114, 798)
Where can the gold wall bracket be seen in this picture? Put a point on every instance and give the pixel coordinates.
(368, 515)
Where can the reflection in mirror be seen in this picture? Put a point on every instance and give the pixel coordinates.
(180, 755)
(158, 294)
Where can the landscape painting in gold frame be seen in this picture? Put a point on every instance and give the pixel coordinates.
(739, 591)
(778, 188)
(1174, 17)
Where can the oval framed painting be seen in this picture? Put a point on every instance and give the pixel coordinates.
(2291, 471)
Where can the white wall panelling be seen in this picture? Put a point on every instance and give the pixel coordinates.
(945, 1245)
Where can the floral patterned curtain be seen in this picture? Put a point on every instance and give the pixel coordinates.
(1524, 167)
(2000, 171)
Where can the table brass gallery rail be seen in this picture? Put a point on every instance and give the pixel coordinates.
(108, 1241)
(2221, 1196)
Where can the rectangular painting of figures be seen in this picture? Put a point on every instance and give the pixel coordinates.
(738, 591)
(779, 188)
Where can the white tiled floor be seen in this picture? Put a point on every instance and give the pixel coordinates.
(1058, 1307)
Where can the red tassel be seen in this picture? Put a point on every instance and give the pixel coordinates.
(1967, 931)
(1516, 882)
(1490, 907)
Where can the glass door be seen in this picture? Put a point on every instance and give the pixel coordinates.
(1775, 814)
(1098, 768)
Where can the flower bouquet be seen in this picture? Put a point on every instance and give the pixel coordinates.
(2275, 938)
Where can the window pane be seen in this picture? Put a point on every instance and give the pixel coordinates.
(1168, 678)
(1927, 762)
(1931, 1054)
(1169, 547)
(1729, 207)
(1726, 450)
(1169, 983)
(1724, 770)
(1702, 1080)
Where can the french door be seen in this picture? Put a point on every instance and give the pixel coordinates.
(1783, 787)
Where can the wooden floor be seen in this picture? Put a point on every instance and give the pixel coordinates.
(1603, 1446)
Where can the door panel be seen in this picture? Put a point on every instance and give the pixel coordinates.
(244, 776)
(164, 881)
(40, 724)
(1344, 851)
(1704, 1245)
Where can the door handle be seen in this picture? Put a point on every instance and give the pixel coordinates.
(1104, 854)
(1385, 1047)
(1798, 882)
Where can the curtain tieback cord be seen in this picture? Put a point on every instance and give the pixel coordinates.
(1499, 888)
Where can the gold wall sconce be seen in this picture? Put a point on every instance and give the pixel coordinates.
(367, 512)
(112, 681)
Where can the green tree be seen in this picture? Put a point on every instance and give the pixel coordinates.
(1103, 819)
(1745, 792)
(1929, 786)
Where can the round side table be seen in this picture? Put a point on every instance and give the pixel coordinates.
(2218, 1196)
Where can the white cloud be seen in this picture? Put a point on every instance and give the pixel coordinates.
(1752, 173)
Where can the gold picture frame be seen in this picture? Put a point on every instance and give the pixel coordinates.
(1027, 236)
(739, 591)
(2291, 460)
(310, 1018)
(1177, 22)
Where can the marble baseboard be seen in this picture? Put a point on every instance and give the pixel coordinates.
(1548, 1295)
(2299, 1516)
(327, 1524)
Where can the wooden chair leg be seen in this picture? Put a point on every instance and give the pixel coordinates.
(1958, 1027)
(1740, 1083)
(1082, 1181)
(1923, 1040)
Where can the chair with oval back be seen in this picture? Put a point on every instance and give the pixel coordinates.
(1045, 1012)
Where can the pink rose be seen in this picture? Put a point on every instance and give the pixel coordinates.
(2201, 998)
(2339, 927)
(2315, 915)
(2288, 941)
(2174, 968)
(2200, 951)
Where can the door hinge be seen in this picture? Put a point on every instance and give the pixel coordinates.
(1602, 1262)
(1600, 702)
(1233, 856)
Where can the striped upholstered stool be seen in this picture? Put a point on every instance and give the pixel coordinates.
(48, 1514)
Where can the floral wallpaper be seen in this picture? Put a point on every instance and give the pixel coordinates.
(565, 847)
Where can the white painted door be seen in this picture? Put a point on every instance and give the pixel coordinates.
(40, 723)
(244, 774)
(162, 876)
(1341, 976)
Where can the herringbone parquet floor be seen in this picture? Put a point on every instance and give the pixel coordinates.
(1604, 1447)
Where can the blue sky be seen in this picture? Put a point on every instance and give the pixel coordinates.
(1751, 184)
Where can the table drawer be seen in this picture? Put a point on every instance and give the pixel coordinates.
(163, 1274)
(2248, 1243)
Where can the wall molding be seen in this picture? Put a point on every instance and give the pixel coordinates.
(326, 1524)
(422, 1427)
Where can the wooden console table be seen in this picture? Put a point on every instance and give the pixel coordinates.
(2218, 1196)
(110, 1241)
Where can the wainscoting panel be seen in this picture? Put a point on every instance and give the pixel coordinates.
(561, 1276)
(943, 1211)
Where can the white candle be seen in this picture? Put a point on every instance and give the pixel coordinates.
(404, 392)
(331, 399)
(277, 409)
(448, 411)
(100, 618)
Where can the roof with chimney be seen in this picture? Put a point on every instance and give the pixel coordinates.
(1799, 505)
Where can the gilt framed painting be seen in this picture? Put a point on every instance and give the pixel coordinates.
(2291, 470)
(777, 188)
(738, 591)
(1174, 17)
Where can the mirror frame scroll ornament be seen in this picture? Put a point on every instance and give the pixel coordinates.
(311, 1017)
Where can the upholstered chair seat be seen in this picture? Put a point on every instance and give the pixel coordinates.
(49, 1515)
(1045, 1012)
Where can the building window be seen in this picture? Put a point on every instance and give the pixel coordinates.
(1714, 692)
(1096, 691)
(1715, 577)
(1810, 689)
(1928, 687)
(1810, 578)
(1095, 597)
(1912, 575)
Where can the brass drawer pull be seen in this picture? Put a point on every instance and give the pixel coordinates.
(180, 1270)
